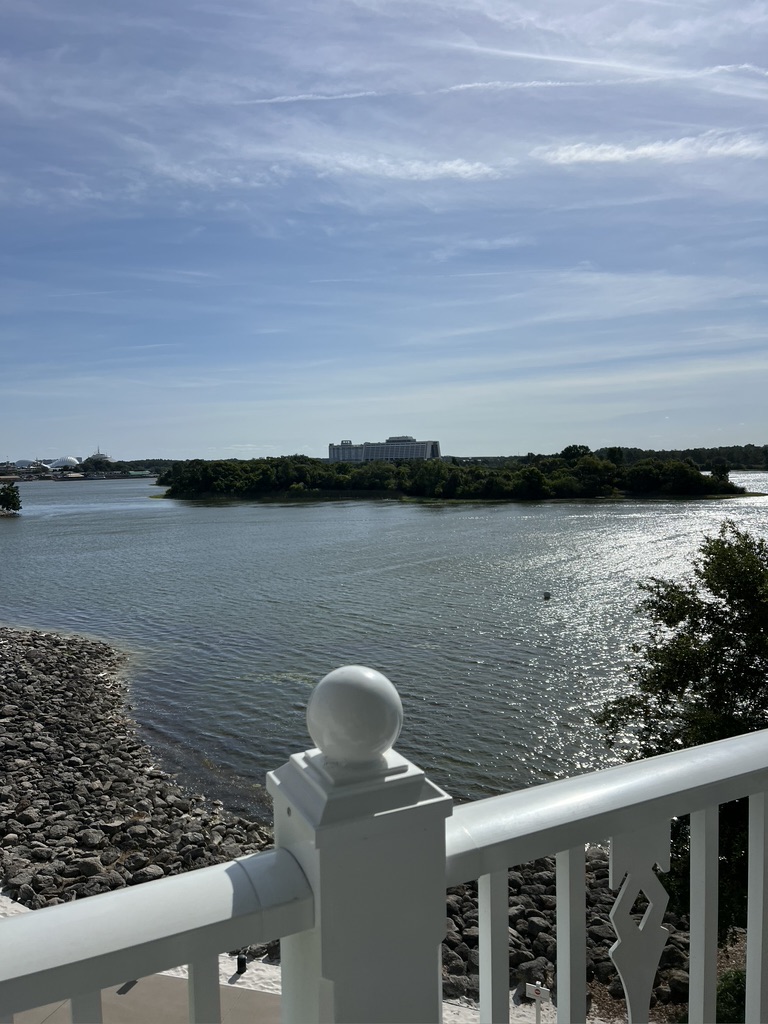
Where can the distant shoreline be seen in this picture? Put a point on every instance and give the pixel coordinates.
(316, 497)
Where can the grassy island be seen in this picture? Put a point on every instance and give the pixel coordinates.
(575, 473)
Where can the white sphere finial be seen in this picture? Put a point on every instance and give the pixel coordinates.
(354, 714)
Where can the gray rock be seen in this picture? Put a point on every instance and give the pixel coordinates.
(28, 817)
(536, 925)
(89, 867)
(147, 874)
(678, 986)
(92, 838)
(533, 971)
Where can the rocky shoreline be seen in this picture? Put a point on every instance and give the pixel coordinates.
(83, 807)
(84, 810)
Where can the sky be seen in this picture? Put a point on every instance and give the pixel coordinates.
(240, 228)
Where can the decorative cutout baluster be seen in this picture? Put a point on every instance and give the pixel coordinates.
(638, 948)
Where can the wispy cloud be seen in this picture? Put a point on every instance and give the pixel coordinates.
(478, 245)
(310, 97)
(402, 169)
(710, 145)
(291, 214)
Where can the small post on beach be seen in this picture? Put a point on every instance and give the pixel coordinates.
(538, 994)
(368, 829)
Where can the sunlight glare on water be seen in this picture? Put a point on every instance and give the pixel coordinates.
(234, 611)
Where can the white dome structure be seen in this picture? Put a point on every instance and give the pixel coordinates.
(66, 462)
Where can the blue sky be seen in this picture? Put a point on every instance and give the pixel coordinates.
(251, 228)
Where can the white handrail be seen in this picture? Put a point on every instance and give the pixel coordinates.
(501, 831)
(78, 948)
(361, 828)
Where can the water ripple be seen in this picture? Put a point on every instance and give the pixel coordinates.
(234, 611)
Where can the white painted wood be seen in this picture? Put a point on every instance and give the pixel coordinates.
(493, 945)
(203, 987)
(488, 835)
(86, 1008)
(58, 952)
(757, 912)
(571, 937)
(702, 1000)
(369, 833)
(637, 948)
(364, 838)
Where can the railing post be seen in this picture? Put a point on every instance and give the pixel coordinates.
(368, 829)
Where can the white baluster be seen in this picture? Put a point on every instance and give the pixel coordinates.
(86, 1008)
(638, 947)
(203, 989)
(702, 997)
(757, 912)
(493, 907)
(571, 937)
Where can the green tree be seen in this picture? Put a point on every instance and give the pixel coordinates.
(703, 672)
(574, 452)
(530, 484)
(598, 477)
(702, 675)
(10, 499)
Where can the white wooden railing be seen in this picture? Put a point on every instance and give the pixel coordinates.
(75, 950)
(366, 846)
(631, 804)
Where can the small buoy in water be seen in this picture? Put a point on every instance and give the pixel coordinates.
(547, 595)
(242, 963)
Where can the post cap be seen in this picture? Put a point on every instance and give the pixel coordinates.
(354, 715)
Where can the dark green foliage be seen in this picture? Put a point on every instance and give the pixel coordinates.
(674, 479)
(579, 475)
(10, 499)
(574, 452)
(702, 675)
(737, 456)
(731, 997)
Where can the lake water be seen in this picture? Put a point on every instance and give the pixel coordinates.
(233, 611)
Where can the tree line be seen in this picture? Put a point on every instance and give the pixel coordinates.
(574, 473)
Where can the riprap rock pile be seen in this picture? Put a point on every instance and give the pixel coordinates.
(83, 807)
(533, 934)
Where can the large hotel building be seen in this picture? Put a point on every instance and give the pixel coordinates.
(394, 448)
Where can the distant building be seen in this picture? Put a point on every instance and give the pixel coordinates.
(394, 448)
